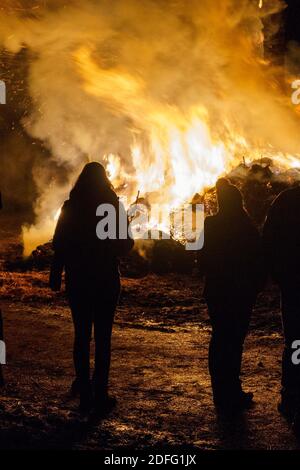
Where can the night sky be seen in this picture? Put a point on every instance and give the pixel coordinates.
(293, 20)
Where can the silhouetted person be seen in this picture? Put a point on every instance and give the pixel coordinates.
(282, 245)
(92, 279)
(2, 382)
(1, 323)
(232, 263)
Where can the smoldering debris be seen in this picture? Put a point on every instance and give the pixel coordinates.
(260, 182)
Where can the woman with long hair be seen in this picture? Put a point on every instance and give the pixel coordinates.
(232, 263)
(92, 280)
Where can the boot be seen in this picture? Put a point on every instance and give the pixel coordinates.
(245, 400)
(86, 399)
(2, 382)
(288, 405)
(104, 406)
(75, 388)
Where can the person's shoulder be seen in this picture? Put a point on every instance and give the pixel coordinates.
(286, 196)
(110, 196)
(66, 205)
(210, 221)
(66, 208)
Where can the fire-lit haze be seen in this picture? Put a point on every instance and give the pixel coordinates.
(169, 95)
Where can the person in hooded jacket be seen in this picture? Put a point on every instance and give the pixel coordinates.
(92, 280)
(281, 236)
(232, 262)
(2, 382)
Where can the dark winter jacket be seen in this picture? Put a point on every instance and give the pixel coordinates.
(281, 237)
(231, 259)
(77, 248)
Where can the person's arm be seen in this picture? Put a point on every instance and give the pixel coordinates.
(123, 245)
(59, 244)
(268, 234)
(271, 239)
(257, 261)
(202, 255)
(56, 270)
(60, 237)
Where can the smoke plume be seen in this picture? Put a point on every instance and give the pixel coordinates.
(168, 94)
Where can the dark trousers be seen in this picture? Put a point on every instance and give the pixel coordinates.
(230, 321)
(1, 338)
(290, 305)
(93, 306)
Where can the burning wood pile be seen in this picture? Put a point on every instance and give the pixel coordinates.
(260, 182)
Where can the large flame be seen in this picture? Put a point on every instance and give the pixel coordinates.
(168, 95)
(174, 154)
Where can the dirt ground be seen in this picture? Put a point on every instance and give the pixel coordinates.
(159, 369)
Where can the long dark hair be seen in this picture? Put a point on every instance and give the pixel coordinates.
(91, 184)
